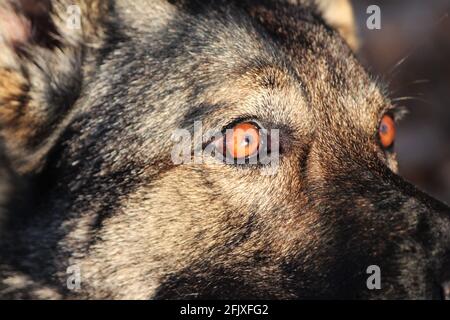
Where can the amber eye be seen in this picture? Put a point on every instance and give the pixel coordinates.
(387, 131)
(243, 140)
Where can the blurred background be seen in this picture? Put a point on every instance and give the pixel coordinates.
(419, 31)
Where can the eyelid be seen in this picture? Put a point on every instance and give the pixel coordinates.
(236, 122)
(395, 111)
(222, 130)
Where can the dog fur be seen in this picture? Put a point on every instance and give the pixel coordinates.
(86, 118)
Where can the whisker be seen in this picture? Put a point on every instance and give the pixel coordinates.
(420, 81)
(410, 98)
(416, 47)
(400, 62)
(402, 87)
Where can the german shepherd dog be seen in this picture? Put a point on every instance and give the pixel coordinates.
(89, 187)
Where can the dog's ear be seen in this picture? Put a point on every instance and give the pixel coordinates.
(336, 13)
(339, 15)
(42, 48)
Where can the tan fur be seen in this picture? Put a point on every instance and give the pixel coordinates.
(25, 78)
(110, 201)
(339, 14)
(15, 117)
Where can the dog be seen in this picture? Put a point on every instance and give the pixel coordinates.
(91, 93)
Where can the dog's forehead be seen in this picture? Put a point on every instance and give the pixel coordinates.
(236, 50)
(330, 75)
(292, 54)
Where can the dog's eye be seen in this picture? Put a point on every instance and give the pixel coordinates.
(387, 131)
(242, 141)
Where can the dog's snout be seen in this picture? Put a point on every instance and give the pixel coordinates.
(428, 220)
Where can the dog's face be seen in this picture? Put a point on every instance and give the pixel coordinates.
(139, 225)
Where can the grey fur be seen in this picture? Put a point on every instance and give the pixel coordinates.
(107, 198)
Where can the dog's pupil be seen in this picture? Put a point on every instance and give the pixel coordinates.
(247, 140)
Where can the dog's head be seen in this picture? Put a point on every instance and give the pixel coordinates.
(318, 220)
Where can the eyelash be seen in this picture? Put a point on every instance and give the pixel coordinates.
(397, 112)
